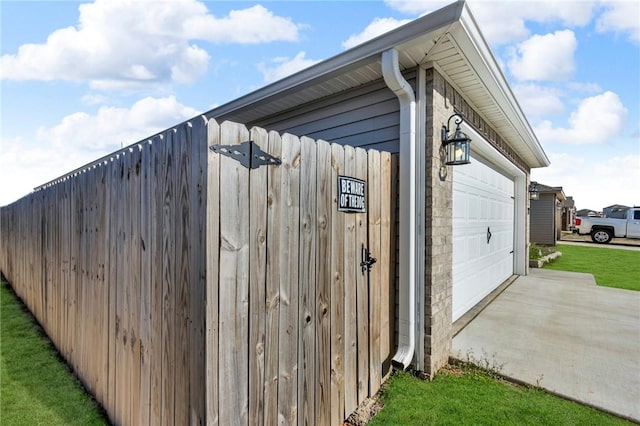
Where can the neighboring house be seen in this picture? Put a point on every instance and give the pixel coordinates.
(462, 229)
(587, 212)
(568, 214)
(616, 211)
(546, 215)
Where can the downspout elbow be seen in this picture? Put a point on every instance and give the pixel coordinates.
(407, 288)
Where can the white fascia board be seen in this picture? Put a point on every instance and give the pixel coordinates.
(367, 52)
(480, 57)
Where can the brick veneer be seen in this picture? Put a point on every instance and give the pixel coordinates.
(442, 100)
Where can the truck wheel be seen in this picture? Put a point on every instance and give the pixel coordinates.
(601, 236)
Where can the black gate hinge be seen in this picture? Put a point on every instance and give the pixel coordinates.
(367, 260)
(248, 154)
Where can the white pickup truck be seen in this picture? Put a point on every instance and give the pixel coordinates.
(604, 229)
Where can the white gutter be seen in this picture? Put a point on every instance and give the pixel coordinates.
(407, 291)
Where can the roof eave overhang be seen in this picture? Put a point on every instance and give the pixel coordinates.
(348, 60)
(477, 52)
(454, 20)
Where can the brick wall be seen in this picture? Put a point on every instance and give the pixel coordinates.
(438, 244)
(442, 100)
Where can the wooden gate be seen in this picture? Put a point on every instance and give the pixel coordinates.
(297, 330)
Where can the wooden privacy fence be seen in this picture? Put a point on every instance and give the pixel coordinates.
(185, 288)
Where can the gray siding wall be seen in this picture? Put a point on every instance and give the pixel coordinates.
(366, 117)
(542, 214)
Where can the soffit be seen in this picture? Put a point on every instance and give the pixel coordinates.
(448, 38)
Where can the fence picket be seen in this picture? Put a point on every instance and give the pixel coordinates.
(351, 253)
(307, 265)
(272, 291)
(362, 290)
(168, 278)
(375, 276)
(257, 270)
(197, 269)
(289, 239)
(324, 185)
(337, 290)
(182, 253)
(234, 281)
(212, 274)
(387, 269)
(185, 288)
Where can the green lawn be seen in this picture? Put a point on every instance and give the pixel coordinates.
(468, 396)
(36, 387)
(610, 267)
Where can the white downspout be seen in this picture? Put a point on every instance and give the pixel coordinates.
(407, 291)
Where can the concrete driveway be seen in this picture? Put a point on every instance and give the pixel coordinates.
(560, 331)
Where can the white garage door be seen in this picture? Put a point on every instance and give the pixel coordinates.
(483, 223)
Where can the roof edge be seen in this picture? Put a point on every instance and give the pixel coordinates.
(443, 17)
(509, 104)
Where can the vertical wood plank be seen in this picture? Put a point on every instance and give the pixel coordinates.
(156, 244)
(307, 267)
(212, 287)
(197, 269)
(351, 254)
(386, 260)
(257, 280)
(337, 290)
(324, 186)
(234, 282)
(289, 246)
(146, 220)
(182, 255)
(272, 303)
(127, 372)
(374, 221)
(114, 168)
(134, 282)
(102, 300)
(121, 408)
(82, 287)
(168, 278)
(362, 291)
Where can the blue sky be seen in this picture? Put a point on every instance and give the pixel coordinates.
(79, 80)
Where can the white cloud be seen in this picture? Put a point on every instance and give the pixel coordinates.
(128, 44)
(538, 100)
(94, 99)
(378, 27)
(545, 57)
(505, 21)
(597, 120)
(253, 25)
(621, 17)
(81, 138)
(606, 184)
(584, 87)
(282, 67)
(111, 127)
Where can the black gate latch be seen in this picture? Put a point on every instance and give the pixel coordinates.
(367, 260)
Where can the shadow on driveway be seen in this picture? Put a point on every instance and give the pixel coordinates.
(560, 331)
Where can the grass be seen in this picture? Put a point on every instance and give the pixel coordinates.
(469, 396)
(36, 386)
(610, 267)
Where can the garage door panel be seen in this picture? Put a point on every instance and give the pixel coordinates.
(482, 198)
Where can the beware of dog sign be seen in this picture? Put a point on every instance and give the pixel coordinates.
(352, 196)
